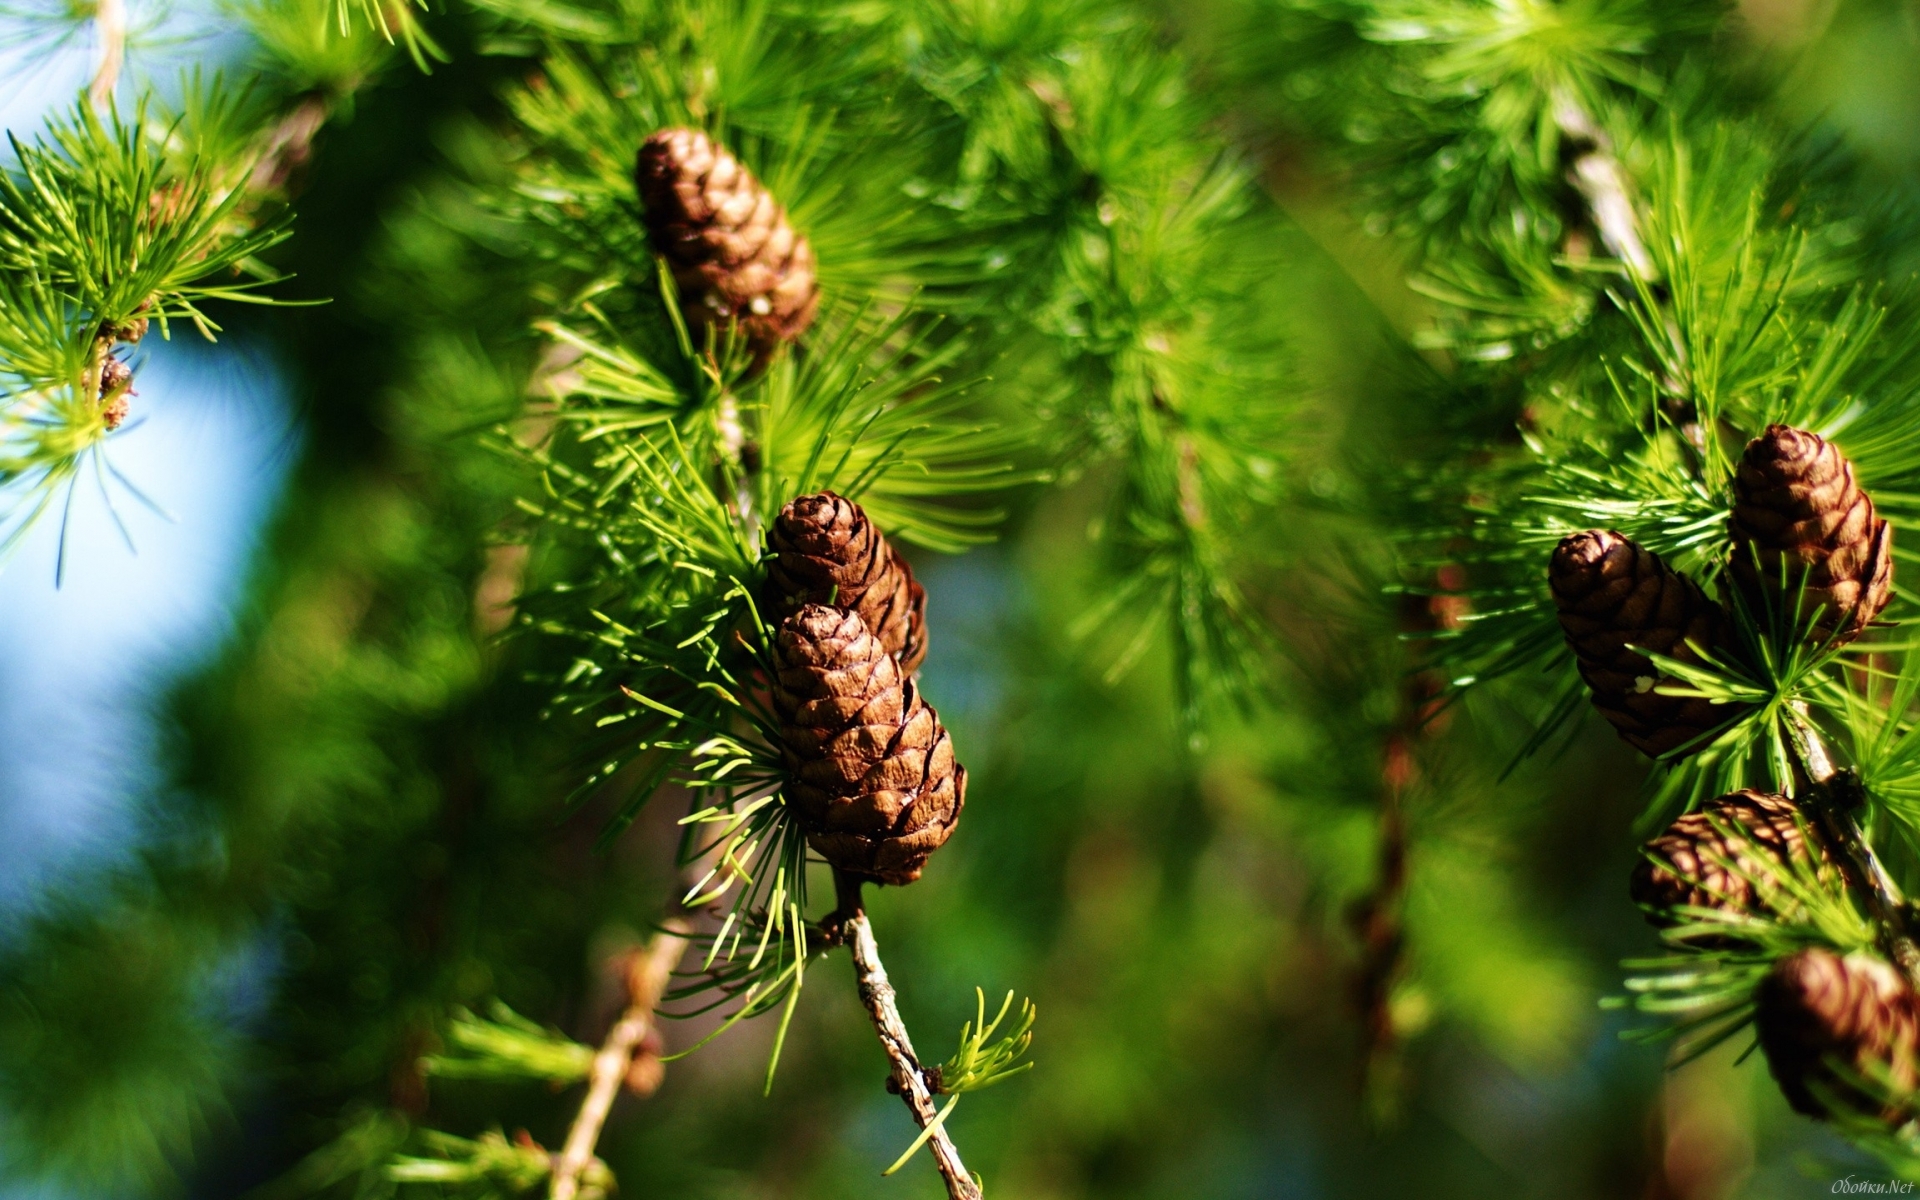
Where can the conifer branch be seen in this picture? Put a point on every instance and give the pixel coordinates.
(1835, 794)
(110, 21)
(909, 1078)
(646, 981)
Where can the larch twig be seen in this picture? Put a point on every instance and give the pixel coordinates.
(646, 981)
(877, 995)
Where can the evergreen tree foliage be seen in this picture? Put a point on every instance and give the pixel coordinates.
(1638, 267)
(1229, 373)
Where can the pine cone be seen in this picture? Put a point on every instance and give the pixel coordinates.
(1816, 1007)
(1799, 519)
(1725, 855)
(872, 776)
(1611, 593)
(726, 239)
(828, 552)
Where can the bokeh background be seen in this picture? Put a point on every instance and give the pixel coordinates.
(275, 666)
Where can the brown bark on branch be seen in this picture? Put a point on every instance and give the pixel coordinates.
(646, 981)
(909, 1077)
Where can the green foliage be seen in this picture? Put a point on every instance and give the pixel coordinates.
(485, 1167)
(116, 1061)
(505, 1045)
(108, 217)
(96, 210)
(323, 46)
(1049, 257)
(975, 1064)
(98, 226)
(390, 20)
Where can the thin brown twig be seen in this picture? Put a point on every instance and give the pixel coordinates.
(909, 1077)
(1379, 917)
(1378, 921)
(646, 981)
(110, 21)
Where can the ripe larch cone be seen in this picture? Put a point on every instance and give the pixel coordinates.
(1800, 521)
(1612, 594)
(1730, 854)
(828, 552)
(871, 772)
(727, 240)
(1816, 1008)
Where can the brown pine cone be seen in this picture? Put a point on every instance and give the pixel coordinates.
(828, 552)
(1816, 1007)
(727, 240)
(1725, 855)
(871, 772)
(1610, 594)
(1799, 519)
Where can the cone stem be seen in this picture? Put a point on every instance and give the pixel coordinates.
(1832, 810)
(646, 980)
(909, 1078)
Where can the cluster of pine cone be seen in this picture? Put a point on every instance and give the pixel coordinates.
(871, 773)
(1804, 534)
(873, 778)
(1829, 1023)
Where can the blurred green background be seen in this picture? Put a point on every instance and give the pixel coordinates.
(334, 809)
